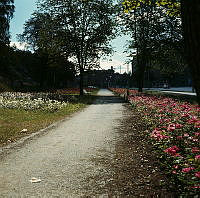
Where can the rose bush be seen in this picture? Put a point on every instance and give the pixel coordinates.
(74, 90)
(174, 131)
(122, 91)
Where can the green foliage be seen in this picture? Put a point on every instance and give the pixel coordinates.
(6, 13)
(157, 41)
(79, 29)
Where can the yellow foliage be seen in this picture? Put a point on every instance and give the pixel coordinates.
(173, 8)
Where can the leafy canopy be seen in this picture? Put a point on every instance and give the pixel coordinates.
(172, 6)
(6, 13)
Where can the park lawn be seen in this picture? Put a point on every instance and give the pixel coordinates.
(13, 121)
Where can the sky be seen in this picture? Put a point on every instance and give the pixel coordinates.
(23, 11)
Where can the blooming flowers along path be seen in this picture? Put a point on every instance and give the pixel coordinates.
(30, 101)
(50, 102)
(174, 130)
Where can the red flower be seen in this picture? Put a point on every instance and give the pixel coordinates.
(197, 134)
(192, 120)
(195, 186)
(176, 166)
(197, 174)
(184, 115)
(172, 150)
(171, 127)
(197, 157)
(195, 150)
(186, 170)
(179, 137)
(178, 126)
(158, 134)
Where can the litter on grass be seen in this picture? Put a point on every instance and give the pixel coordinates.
(24, 130)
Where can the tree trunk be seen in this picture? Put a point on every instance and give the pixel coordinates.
(141, 79)
(142, 62)
(81, 81)
(190, 11)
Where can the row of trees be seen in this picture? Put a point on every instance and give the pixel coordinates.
(78, 30)
(174, 24)
(157, 42)
(20, 66)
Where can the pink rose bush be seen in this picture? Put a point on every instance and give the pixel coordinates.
(119, 91)
(197, 174)
(122, 91)
(172, 151)
(175, 133)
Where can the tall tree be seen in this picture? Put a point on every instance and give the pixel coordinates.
(47, 42)
(6, 13)
(190, 12)
(79, 29)
(89, 25)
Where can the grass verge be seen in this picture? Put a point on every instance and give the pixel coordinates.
(13, 121)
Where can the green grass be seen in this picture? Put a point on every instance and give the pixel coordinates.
(13, 121)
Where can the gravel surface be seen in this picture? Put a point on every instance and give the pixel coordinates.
(59, 158)
(99, 152)
(133, 166)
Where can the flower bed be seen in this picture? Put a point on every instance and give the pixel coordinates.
(119, 91)
(31, 101)
(68, 91)
(174, 130)
(122, 91)
(74, 90)
(40, 101)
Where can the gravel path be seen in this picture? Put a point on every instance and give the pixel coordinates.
(62, 157)
(100, 152)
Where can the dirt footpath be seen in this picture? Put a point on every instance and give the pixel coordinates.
(98, 152)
